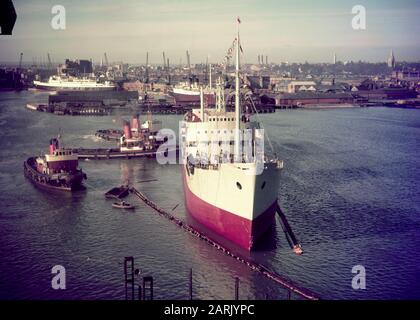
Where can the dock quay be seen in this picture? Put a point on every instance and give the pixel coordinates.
(254, 266)
(115, 153)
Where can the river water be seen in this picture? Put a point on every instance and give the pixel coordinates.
(350, 189)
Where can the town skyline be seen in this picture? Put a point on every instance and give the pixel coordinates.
(285, 31)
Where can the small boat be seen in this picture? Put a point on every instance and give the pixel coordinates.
(122, 205)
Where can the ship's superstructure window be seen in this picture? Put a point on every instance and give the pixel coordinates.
(239, 185)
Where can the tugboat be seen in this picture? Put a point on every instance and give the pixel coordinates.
(56, 170)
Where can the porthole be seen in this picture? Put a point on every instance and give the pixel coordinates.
(239, 185)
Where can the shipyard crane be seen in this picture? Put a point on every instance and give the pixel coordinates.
(20, 60)
(206, 69)
(106, 59)
(188, 64)
(147, 68)
(49, 61)
(169, 74)
(164, 61)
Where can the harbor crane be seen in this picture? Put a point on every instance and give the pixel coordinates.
(49, 61)
(164, 61)
(20, 60)
(147, 68)
(188, 64)
(106, 59)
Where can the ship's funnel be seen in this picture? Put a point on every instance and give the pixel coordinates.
(135, 124)
(53, 145)
(127, 130)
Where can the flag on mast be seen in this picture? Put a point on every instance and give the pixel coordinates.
(239, 20)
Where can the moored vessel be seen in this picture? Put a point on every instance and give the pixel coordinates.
(73, 84)
(56, 170)
(228, 189)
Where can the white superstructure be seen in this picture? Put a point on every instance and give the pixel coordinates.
(72, 83)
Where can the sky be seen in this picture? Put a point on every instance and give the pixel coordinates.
(284, 30)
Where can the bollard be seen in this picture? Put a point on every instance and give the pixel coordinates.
(148, 285)
(129, 277)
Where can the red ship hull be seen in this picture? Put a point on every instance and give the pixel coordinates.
(239, 230)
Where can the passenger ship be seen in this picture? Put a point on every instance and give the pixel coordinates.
(55, 83)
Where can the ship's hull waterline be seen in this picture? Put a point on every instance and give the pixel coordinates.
(241, 216)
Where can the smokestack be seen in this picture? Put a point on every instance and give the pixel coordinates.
(135, 124)
(258, 59)
(127, 130)
(266, 60)
(53, 145)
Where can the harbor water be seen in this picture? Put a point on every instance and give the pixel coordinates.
(350, 189)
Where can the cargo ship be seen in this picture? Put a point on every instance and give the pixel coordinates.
(230, 193)
(56, 170)
(56, 83)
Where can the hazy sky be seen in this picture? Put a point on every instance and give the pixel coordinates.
(292, 30)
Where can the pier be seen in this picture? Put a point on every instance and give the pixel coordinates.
(115, 153)
(254, 266)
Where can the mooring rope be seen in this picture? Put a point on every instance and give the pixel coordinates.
(305, 293)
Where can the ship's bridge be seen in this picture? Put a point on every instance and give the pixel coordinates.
(215, 136)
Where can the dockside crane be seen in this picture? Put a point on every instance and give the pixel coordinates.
(188, 64)
(106, 59)
(169, 73)
(146, 80)
(164, 61)
(20, 60)
(49, 62)
(206, 69)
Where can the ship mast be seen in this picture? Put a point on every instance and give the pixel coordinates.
(237, 99)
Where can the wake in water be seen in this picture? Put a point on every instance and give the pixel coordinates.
(91, 137)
